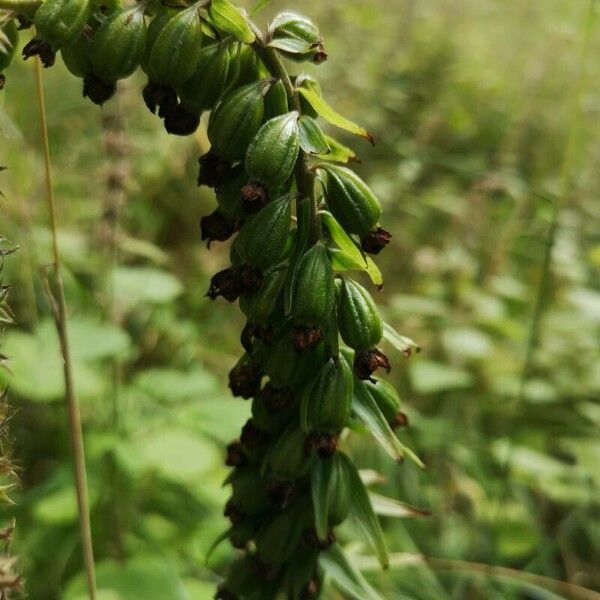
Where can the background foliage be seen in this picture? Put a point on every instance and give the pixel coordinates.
(486, 117)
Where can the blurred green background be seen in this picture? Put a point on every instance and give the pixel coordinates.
(487, 163)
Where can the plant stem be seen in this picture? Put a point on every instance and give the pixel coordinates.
(60, 312)
(305, 178)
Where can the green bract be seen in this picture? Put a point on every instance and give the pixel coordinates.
(359, 321)
(273, 152)
(176, 49)
(350, 200)
(236, 120)
(60, 22)
(118, 45)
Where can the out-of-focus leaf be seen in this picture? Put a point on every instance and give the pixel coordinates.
(312, 139)
(362, 510)
(429, 377)
(332, 116)
(170, 386)
(134, 285)
(226, 16)
(94, 340)
(345, 576)
(258, 6)
(389, 507)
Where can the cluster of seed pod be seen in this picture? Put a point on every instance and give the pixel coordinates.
(269, 165)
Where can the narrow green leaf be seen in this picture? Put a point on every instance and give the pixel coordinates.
(341, 262)
(319, 477)
(338, 152)
(224, 15)
(345, 575)
(389, 507)
(403, 344)
(362, 510)
(258, 6)
(343, 240)
(332, 116)
(366, 409)
(312, 138)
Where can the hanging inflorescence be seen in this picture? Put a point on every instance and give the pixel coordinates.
(302, 221)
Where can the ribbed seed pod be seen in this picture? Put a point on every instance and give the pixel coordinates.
(249, 491)
(276, 101)
(263, 236)
(270, 421)
(272, 154)
(118, 45)
(60, 22)
(313, 296)
(359, 321)
(229, 195)
(291, 456)
(250, 69)
(338, 492)
(77, 57)
(350, 200)
(174, 54)
(236, 120)
(9, 38)
(155, 28)
(207, 84)
(259, 305)
(326, 402)
(388, 401)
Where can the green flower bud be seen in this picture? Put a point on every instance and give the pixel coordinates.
(277, 539)
(291, 456)
(263, 236)
(248, 66)
(118, 45)
(210, 78)
(350, 200)
(155, 28)
(338, 492)
(236, 120)
(60, 22)
(175, 51)
(359, 321)
(259, 305)
(273, 152)
(313, 296)
(297, 37)
(77, 57)
(269, 420)
(326, 403)
(276, 101)
(229, 194)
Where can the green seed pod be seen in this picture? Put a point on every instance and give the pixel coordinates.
(313, 293)
(174, 54)
(277, 539)
(118, 45)
(259, 305)
(249, 68)
(236, 120)
(276, 101)
(359, 321)
(77, 57)
(241, 580)
(229, 195)
(388, 401)
(60, 22)
(350, 200)
(326, 402)
(155, 28)
(338, 492)
(249, 491)
(9, 38)
(263, 236)
(210, 78)
(291, 457)
(273, 152)
(272, 422)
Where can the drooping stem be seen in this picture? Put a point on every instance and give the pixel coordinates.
(59, 305)
(305, 178)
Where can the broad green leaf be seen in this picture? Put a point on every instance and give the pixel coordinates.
(366, 409)
(332, 116)
(319, 477)
(224, 15)
(312, 138)
(389, 507)
(141, 578)
(362, 510)
(136, 285)
(258, 6)
(169, 386)
(93, 340)
(429, 377)
(343, 241)
(403, 344)
(342, 262)
(345, 576)
(338, 152)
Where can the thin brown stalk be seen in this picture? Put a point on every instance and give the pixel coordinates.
(59, 305)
